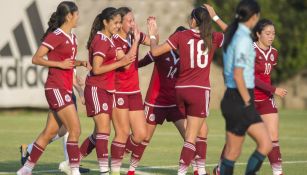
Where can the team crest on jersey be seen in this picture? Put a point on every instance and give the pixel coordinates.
(272, 57)
(67, 42)
(120, 101)
(67, 98)
(260, 57)
(152, 117)
(168, 59)
(105, 106)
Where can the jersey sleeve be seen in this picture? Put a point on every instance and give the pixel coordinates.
(51, 41)
(173, 40)
(241, 53)
(276, 58)
(218, 39)
(264, 86)
(100, 48)
(146, 60)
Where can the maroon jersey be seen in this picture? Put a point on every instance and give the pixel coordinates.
(264, 62)
(61, 47)
(161, 90)
(102, 46)
(194, 59)
(127, 80)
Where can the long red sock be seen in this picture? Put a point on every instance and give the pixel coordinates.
(187, 154)
(130, 145)
(117, 154)
(35, 154)
(275, 158)
(102, 151)
(201, 152)
(87, 146)
(137, 155)
(73, 154)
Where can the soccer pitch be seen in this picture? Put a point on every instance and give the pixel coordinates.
(161, 156)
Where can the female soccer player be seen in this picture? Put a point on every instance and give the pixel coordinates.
(129, 112)
(196, 47)
(100, 83)
(266, 59)
(237, 105)
(60, 46)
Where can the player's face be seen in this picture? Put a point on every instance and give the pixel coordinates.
(267, 35)
(114, 25)
(128, 23)
(72, 19)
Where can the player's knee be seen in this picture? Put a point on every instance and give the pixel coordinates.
(233, 154)
(75, 133)
(139, 136)
(265, 146)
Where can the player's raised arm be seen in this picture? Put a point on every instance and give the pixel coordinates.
(156, 49)
(215, 17)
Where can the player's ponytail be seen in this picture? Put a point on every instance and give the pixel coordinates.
(260, 26)
(57, 18)
(244, 11)
(98, 25)
(203, 22)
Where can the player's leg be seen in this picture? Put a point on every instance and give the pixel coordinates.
(201, 149)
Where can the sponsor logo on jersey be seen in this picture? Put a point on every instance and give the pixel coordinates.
(105, 106)
(67, 42)
(260, 57)
(67, 98)
(120, 101)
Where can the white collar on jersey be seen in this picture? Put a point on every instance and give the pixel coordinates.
(71, 38)
(100, 33)
(195, 30)
(125, 40)
(266, 56)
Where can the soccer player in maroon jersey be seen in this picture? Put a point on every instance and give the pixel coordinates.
(266, 59)
(129, 111)
(60, 46)
(196, 47)
(100, 83)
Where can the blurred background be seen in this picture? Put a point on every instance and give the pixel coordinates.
(24, 22)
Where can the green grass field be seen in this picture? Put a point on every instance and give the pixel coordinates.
(162, 155)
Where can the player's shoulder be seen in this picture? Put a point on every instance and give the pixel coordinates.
(274, 50)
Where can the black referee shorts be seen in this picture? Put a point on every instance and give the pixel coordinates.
(238, 117)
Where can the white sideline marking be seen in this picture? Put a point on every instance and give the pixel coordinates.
(141, 169)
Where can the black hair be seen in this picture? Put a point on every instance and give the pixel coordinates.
(57, 18)
(180, 28)
(260, 26)
(203, 22)
(106, 14)
(123, 11)
(244, 11)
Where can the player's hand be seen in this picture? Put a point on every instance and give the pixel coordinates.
(88, 66)
(128, 59)
(210, 10)
(152, 26)
(66, 64)
(281, 92)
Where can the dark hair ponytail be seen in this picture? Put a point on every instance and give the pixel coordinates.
(57, 18)
(244, 11)
(106, 14)
(203, 21)
(260, 26)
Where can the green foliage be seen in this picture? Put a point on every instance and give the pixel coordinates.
(289, 18)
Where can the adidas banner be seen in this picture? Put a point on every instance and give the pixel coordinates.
(22, 25)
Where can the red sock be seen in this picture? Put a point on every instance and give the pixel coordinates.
(87, 146)
(130, 145)
(187, 154)
(137, 155)
(275, 158)
(102, 151)
(35, 154)
(201, 152)
(117, 154)
(73, 154)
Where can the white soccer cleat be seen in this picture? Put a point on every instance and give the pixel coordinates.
(24, 171)
(65, 168)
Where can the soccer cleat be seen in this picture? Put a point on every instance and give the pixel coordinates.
(65, 168)
(216, 171)
(24, 153)
(85, 170)
(23, 171)
(105, 173)
(131, 173)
